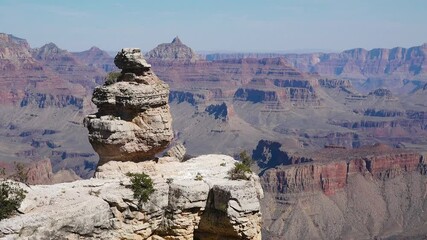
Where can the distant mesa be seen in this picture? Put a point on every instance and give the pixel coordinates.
(175, 50)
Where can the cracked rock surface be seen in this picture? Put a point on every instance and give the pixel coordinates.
(181, 207)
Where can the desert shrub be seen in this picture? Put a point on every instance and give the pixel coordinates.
(112, 78)
(241, 169)
(141, 185)
(11, 197)
(198, 177)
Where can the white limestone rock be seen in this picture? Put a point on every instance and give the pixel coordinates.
(179, 208)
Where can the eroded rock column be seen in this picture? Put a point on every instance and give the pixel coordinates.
(133, 121)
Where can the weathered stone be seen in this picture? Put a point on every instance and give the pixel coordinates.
(178, 151)
(133, 122)
(181, 207)
(131, 60)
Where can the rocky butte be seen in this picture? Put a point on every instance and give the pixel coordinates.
(194, 199)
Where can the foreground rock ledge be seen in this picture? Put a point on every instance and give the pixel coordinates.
(180, 208)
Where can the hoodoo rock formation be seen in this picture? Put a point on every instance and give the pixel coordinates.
(193, 199)
(133, 122)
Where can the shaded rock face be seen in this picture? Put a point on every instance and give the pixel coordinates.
(218, 111)
(181, 207)
(133, 122)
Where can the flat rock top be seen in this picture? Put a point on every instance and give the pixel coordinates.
(213, 167)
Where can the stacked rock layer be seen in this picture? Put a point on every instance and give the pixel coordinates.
(133, 122)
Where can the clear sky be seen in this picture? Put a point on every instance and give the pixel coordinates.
(218, 25)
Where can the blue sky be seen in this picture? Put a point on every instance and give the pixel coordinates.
(218, 25)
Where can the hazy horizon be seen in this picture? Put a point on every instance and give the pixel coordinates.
(218, 26)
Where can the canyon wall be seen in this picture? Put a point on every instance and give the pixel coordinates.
(365, 193)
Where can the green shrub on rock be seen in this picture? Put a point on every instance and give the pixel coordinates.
(241, 169)
(112, 78)
(11, 197)
(141, 185)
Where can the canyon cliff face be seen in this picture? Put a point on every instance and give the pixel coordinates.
(45, 95)
(365, 193)
(194, 199)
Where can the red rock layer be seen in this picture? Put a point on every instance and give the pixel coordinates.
(256, 80)
(331, 176)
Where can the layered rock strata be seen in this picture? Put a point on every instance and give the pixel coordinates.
(181, 207)
(133, 122)
(366, 193)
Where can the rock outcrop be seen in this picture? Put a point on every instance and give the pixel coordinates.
(133, 122)
(177, 151)
(181, 207)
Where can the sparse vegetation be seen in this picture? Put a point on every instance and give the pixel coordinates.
(11, 197)
(141, 185)
(241, 169)
(198, 177)
(11, 194)
(222, 164)
(112, 78)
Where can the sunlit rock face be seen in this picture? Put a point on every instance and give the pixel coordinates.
(133, 121)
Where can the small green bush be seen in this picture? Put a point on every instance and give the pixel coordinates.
(241, 168)
(111, 78)
(141, 185)
(198, 177)
(11, 197)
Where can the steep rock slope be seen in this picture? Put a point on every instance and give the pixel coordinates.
(44, 97)
(371, 192)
